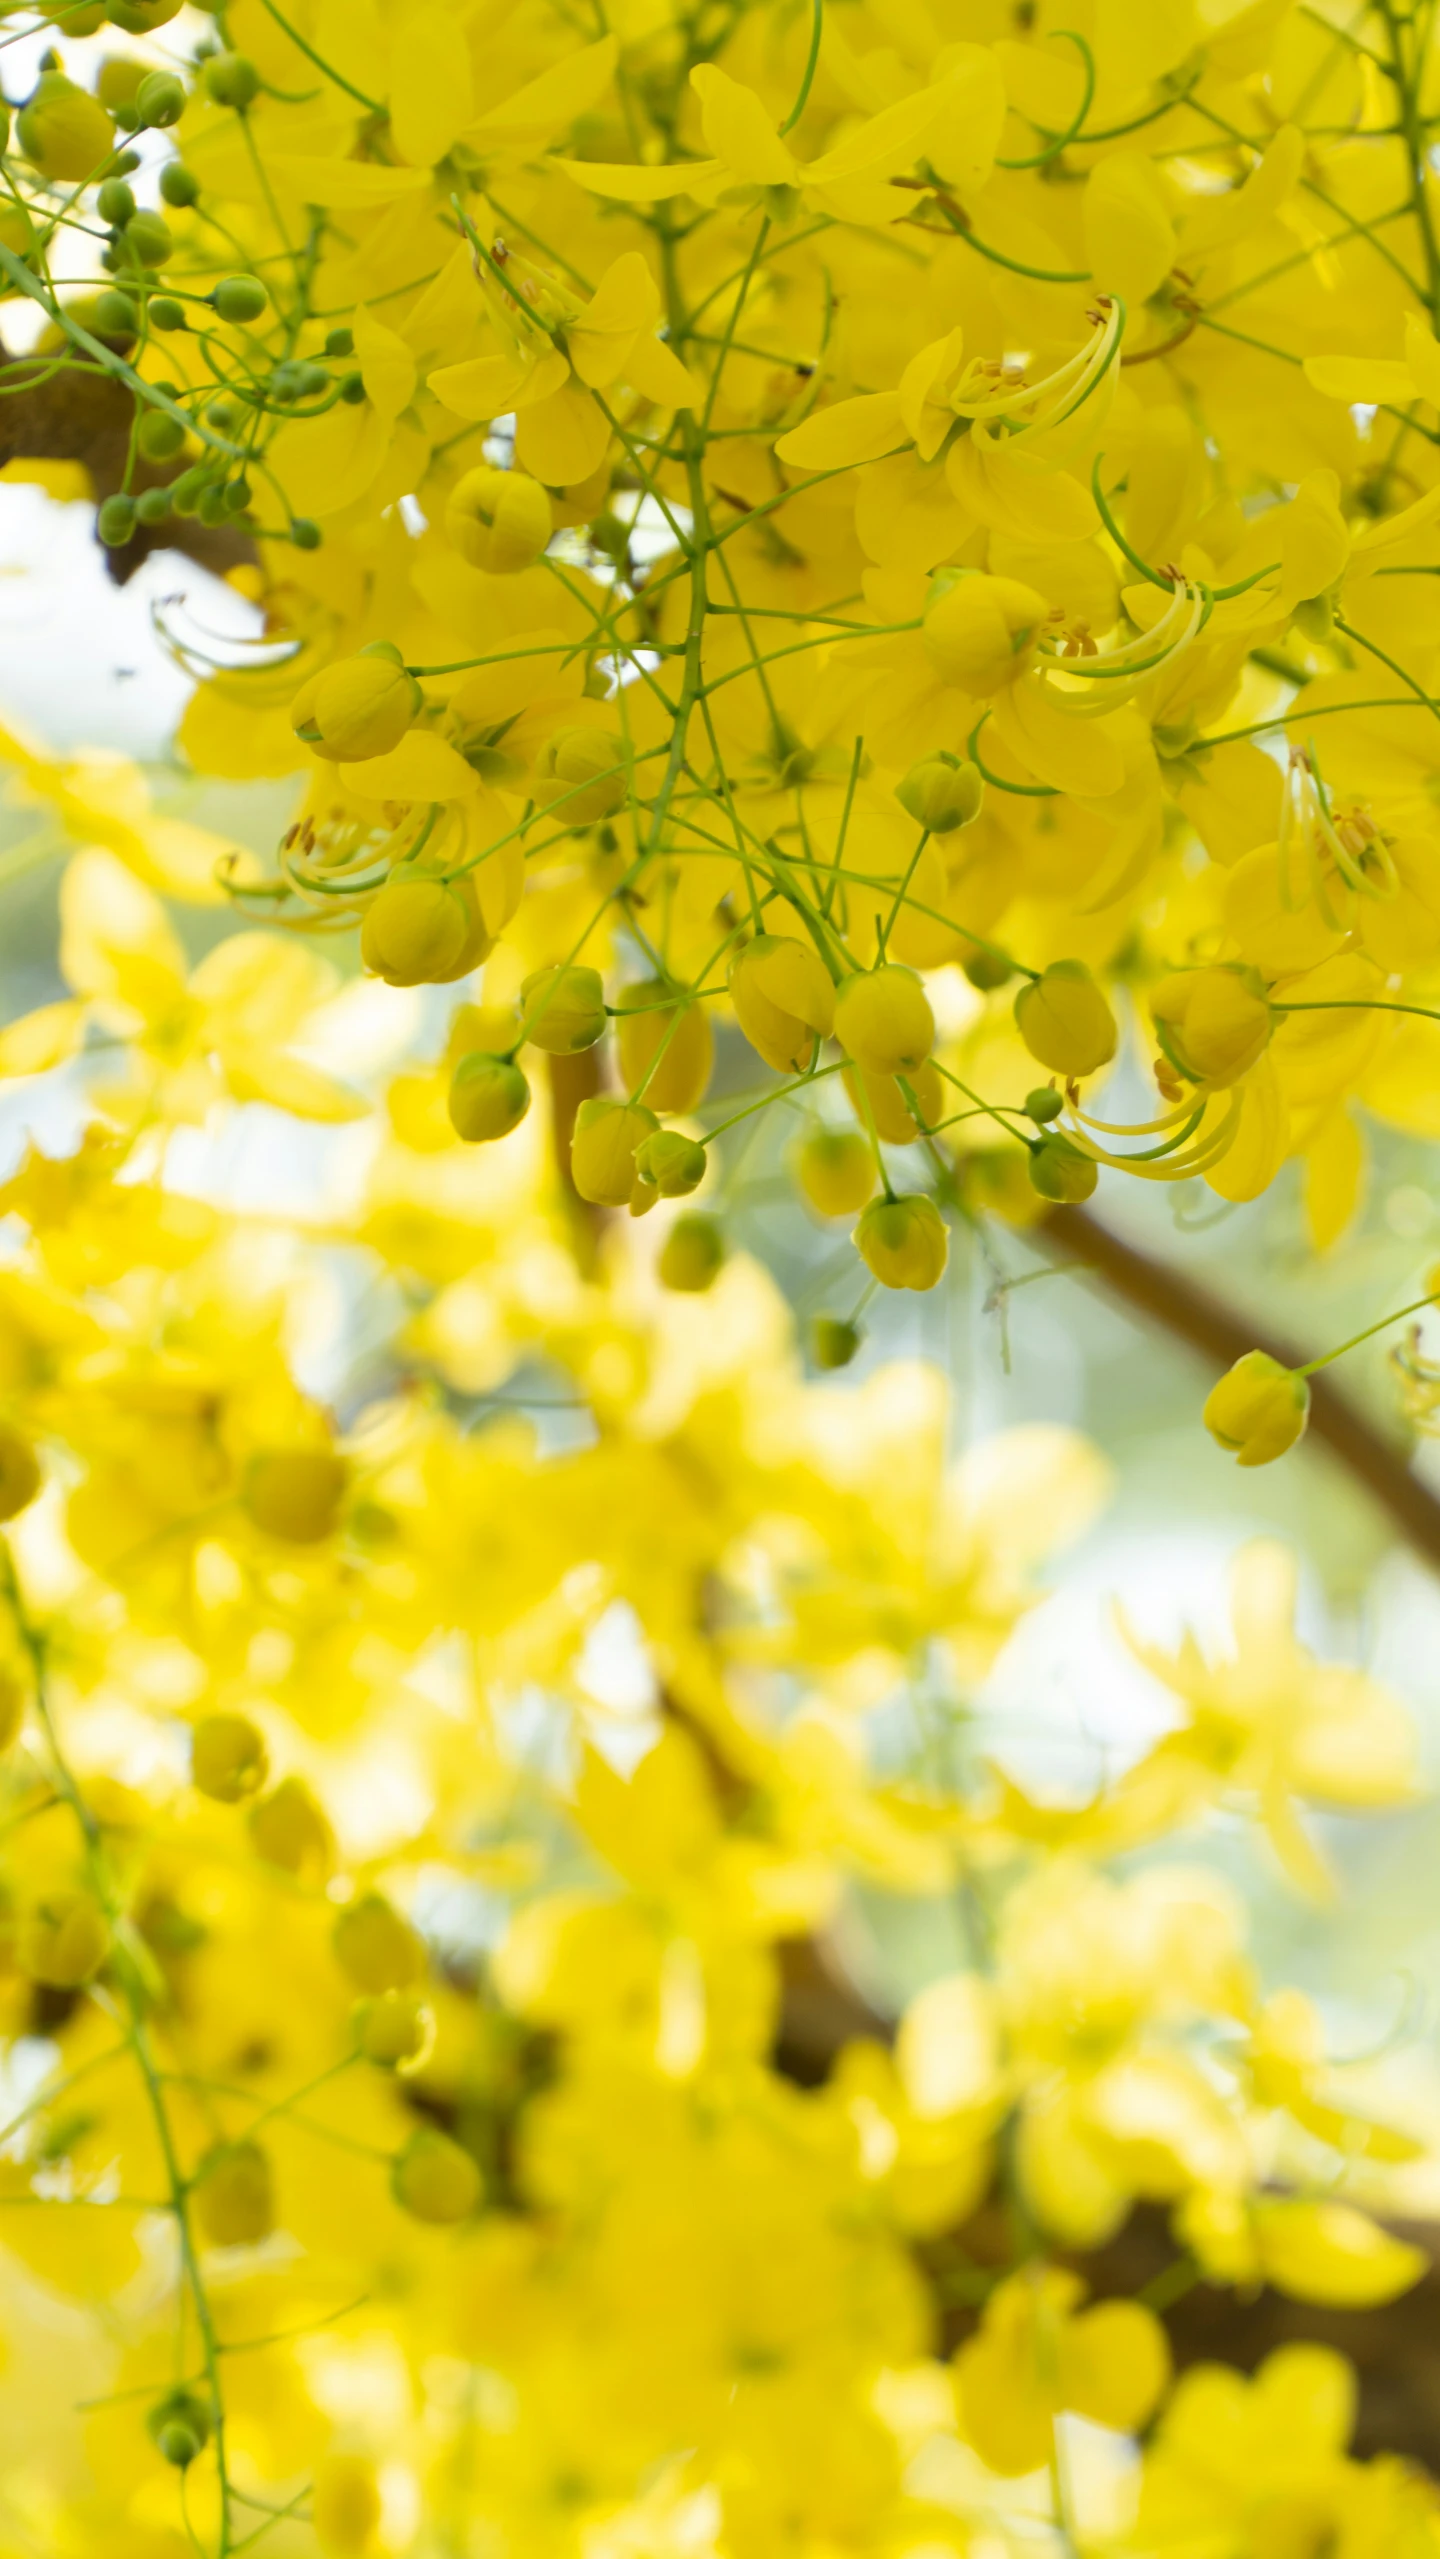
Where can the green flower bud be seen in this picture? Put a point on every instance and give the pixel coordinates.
(232, 80)
(160, 101)
(1043, 1104)
(240, 298)
(672, 1164)
(65, 131)
(234, 2195)
(941, 793)
(159, 435)
(115, 202)
(884, 1020)
(833, 1342)
(836, 1169)
(178, 185)
(987, 969)
(227, 1758)
(294, 1493)
(499, 521)
(358, 708)
(166, 313)
(581, 775)
(488, 1097)
(115, 315)
(115, 522)
(1064, 1020)
(903, 1242)
(150, 239)
(1059, 1171)
(434, 2180)
(602, 1149)
(179, 2427)
(691, 1256)
(563, 1009)
(142, 17)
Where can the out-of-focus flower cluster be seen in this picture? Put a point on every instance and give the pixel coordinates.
(429, 1811)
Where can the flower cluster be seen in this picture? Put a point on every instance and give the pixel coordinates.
(892, 541)
(754, 512)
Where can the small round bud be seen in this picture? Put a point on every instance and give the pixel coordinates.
(234, 2194)
(884, 1021)
(290, 1831)
(150, 239)
(488, 1097)
(833, 1342)
(340, 342)
(499, 521)
(1043, 1104)
(178, 185)
(987, 969)
(152, 507)
(602, 1149)
(115, 315)
(345, 2506)
(981, 632)
(581, 775)
(115, 522)
(836, 1169)
(294, 1493)
(159, 102)
(651, 1020)
(941, 793)
(227, 1758)
(166, 313)
(434, 2180)
(358, 708)
(691, 1256)
(65, 131)
(903, 1242)
(63, 1941)
(375, 1947)
(1060, 1171)
(240, 298)
(232, 80)
(671, 1164)
(415, 930)
(142, 17)
(179, 2427)
(395, 2029)
(1258, 1409)
(352, 389)
(212, 508)
(186, 492)
(563, 1009)
(20, 1477)
(305, 535)
(115, 202)
(159, 435)
(784, 1000)
(1064, 1020)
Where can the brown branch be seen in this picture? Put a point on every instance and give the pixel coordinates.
(1217, 1334)
(76, 416)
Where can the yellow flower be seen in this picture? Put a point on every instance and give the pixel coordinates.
(1258, 1410)
(1039, 2356)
